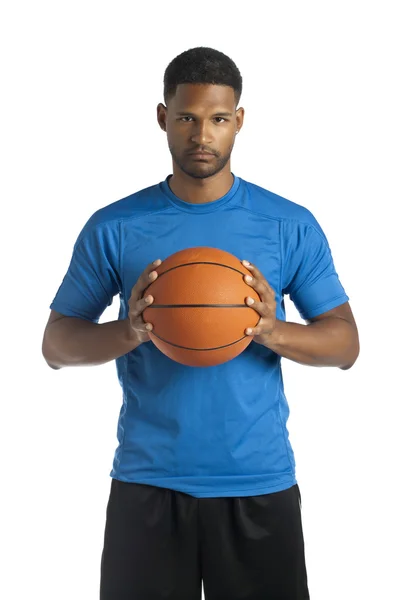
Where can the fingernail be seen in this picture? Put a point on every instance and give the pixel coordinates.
(248, 278)
(246, 263)
(153, 275)
(149, 326)
(157, 262)
(249, 331)
(148, 299)
(250, 301)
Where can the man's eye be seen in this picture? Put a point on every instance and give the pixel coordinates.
(188, 117)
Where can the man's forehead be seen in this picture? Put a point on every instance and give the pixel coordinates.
(219, 97)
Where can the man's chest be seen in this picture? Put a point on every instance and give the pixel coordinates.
(241, 233)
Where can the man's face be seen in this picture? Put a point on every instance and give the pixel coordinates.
(202, 117)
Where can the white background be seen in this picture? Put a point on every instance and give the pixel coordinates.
(81, 82)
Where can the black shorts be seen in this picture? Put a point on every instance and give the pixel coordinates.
(160, 544)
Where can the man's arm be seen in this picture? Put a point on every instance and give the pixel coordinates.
(74, 342)
(329, 340)
(69, 341)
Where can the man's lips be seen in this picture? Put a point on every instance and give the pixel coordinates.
(201, 154)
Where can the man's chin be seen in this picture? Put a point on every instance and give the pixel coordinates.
(200, 171)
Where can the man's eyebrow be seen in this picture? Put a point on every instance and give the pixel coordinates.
(217, 113)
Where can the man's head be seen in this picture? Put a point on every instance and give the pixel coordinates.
(202, 89)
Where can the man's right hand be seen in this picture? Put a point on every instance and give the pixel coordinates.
(138, 329)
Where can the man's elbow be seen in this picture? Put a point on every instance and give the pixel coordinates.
(354, 353)
(55, 367)
(46, 357)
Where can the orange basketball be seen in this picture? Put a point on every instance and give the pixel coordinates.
(199, 313)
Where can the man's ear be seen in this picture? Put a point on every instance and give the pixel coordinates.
(161, 116)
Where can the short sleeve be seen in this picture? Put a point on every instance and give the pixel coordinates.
(308, 273)
(92, 278)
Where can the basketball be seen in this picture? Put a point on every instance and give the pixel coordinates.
(199, 313)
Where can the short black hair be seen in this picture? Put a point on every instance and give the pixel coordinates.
(202, 65)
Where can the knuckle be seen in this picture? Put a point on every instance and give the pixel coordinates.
(140, 307)
(137, 309)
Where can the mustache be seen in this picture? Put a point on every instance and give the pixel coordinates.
(201, 151)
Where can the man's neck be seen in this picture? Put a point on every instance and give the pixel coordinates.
(199, 191)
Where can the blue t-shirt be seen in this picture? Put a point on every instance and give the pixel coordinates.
(205, 431)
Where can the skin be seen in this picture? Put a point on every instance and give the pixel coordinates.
(196, 119)
(328, 340)
(192, 122)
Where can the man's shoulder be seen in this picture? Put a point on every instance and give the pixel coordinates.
(138, 204)
(264, 202)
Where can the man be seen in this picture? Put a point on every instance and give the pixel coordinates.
(203, 480)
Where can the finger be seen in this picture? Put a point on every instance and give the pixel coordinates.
(256, 272)
(139, 324)
(147, 277)
(256, 329)
(143, 327)
(146, 324)
(253, 331)
(260, 307)
(259, 285)
(150, 273)
(140, 305)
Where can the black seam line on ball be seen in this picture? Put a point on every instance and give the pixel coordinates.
(197, 306)
(203, 262)
(198, 349)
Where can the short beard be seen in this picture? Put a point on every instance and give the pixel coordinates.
(219, 164)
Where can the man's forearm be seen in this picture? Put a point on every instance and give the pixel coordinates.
(330, 342)
(76, 342)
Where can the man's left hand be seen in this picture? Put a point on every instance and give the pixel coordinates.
(266, 308)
